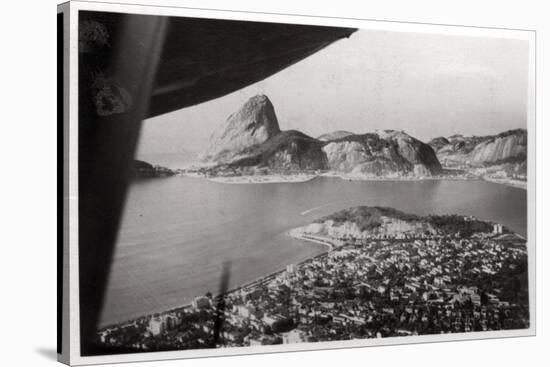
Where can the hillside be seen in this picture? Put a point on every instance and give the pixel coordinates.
(253, 124)
(384, 153)
(289, 150)
(141, 169)
(250, 141)
(366, 222)
(367, 217)
(482, 151)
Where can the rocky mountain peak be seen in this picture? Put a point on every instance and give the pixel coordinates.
(253, 124)
(251, 140)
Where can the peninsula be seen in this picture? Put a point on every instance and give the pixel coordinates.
(250, 147)
(386, 273)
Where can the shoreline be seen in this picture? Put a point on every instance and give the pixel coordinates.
(260, 179)
(299, 178)
(507, 182)
(326, 241)
(256, 281)
(294, 233)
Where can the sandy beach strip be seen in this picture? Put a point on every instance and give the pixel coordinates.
(508, 182)
(329, 242)
(298, 178)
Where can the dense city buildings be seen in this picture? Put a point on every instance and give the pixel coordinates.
(412, 276)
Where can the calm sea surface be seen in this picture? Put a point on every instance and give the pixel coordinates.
(177, 232)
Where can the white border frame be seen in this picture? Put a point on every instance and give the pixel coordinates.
(71, 10)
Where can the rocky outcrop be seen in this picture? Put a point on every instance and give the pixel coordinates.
(251, 126)
(141, 169)
(287, 151)
(438, 143)
(250, 142)
(482, 151)
(503, 148)
(365, 222)
(384, 153)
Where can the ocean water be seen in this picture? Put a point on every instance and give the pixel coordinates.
(177, 232)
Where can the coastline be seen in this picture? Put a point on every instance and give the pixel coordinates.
(252, 179)
(320, 241)
(256, 281)
(329, 242)
(298, 178)
(507, 182)
(260, 179)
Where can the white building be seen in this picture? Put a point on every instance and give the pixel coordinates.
(156, 325)
(291, 268)
(294, 336)
(245, 310)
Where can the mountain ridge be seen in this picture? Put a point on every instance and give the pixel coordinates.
(238, 146)
(508, 147)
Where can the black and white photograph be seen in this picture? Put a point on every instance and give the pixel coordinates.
(245, 183)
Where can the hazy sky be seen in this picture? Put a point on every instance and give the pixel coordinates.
(427, 85)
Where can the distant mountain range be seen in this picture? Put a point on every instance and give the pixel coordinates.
(507, 151)
(251, 140)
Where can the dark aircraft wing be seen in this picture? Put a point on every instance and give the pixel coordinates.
(205, 59)
(132, 67)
